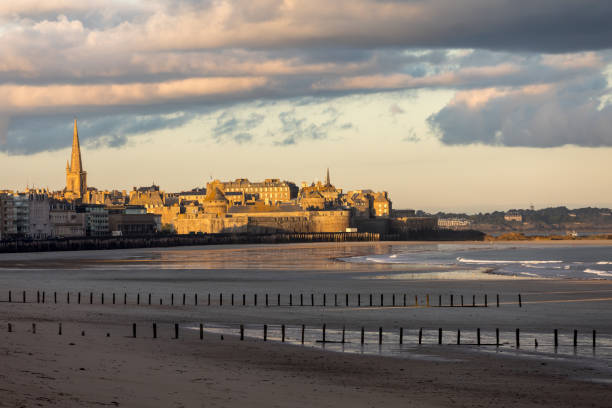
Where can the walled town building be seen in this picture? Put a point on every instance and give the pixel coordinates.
(270, 190)
(65, 221)
(40, 225)
(96, 219)
(454, 223)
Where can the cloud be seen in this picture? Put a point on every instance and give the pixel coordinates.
(104, 58)
(532, 116)
(295, 129)
(33, 134)
(236, 129)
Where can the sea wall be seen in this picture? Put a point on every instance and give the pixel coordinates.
(94, 243)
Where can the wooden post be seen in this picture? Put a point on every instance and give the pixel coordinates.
(209, 299)
(278, 300)
(283, 333)
(37, 296)
(452, 300)
(359, 299)
(176, 330)
(473, 300)
(291, 299)
(241, 332)
(497, 299)
(149, 299)
(195, 299)
(404, 300)
(220, 299)
(255, 299)
(243, 299)
(594, 336)
(556, 338)
(461, 300)
(183, 299)
(79, 298)
(382, 299)
(138, 298)
(67, 298)
(427, 300)
(202, 331)
(401, 336)
(301, 299)
(458, 336)
(54, 297)
(416, 300)
(91, 298)
(232, 296)
(362, 335)
(24, 296)
(161, 301)
(102, 298)
(43, 297)
(380, 334)
(370, 300)
(343, 334)
(478, 336)
(346, 302)
(312, 299)
(10, 297)
(324, 333)
(439, 300)
(303, 329)
(10, 328)
(440, 335)
(154, 330)
(134, 330)
(33, 328)
(486, 303)
(172, 299)
(265, 332)
(520, 300)
(324, 299)
(575, 338)
(113, 298)
(420, 335)
(266, 300)
(393, 300)
(518, 338)
(335, 299)
(497, 337)
(125, 298)
(59, 329)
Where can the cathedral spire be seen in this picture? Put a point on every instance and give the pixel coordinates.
(327, 180)
(75, 160)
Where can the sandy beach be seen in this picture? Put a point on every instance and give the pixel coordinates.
(46, 369)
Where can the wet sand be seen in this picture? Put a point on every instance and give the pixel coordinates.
(45, 369)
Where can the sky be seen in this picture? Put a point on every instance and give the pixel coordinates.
(472, 105)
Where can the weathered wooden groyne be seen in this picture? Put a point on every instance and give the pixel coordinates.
(96, 243)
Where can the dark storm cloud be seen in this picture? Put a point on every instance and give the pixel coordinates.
(34, 134)
(568, 114)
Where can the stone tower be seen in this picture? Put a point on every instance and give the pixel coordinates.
(76, 178)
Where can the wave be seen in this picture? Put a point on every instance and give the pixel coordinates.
(598, 273)
(489, 261)
(604, 263)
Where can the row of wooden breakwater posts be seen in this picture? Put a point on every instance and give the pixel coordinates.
(350, 300)
(240, 331)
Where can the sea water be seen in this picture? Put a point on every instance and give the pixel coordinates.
(532, 260)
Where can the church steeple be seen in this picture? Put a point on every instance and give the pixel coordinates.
(327, 179)
(76, 178)
(75, 160)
